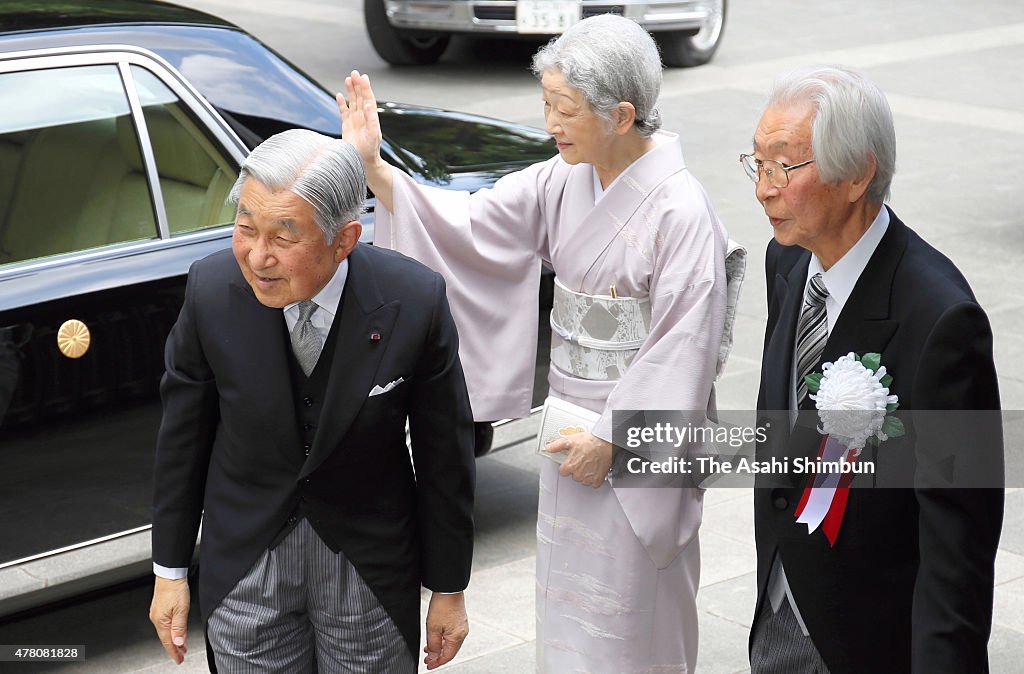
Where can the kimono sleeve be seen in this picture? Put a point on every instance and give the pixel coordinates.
(488, 246)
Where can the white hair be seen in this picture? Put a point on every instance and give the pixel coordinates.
(852, 122)
(326, 172)
(610, 60)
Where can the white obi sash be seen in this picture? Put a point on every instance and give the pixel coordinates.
(597, 336)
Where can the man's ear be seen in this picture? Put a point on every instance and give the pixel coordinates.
(346, 239)
(623, 117)
(859, 186)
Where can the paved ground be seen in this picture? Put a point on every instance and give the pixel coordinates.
(954, 78)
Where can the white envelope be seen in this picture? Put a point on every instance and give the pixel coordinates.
(560, 418)
(377, 390)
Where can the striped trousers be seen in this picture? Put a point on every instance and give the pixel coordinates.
(779, 646)
(304, 608)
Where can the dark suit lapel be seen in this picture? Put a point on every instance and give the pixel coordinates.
(865, 326)
(356, 356)
(265, 348)
(778, 353)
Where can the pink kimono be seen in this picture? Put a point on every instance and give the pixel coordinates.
(617, 569)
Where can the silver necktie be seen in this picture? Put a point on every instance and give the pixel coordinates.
(305, 341)
(811, 334)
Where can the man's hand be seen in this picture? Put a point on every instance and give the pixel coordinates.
(589, 457)
(447, 628)
(169, 615)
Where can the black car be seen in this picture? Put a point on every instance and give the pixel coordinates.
(122, 126)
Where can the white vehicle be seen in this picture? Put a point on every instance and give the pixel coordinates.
(411, 32)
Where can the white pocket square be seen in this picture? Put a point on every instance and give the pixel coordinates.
(377, 390)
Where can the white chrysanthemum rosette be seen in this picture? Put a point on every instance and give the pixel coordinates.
(852, 402)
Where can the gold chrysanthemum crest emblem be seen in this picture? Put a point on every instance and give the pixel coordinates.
(73, 338)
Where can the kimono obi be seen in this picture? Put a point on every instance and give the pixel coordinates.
(597, 336)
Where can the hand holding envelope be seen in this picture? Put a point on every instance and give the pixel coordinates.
(565, 438)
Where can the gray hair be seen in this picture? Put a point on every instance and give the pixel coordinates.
(852, 122)
(610, 60)
(326, 172)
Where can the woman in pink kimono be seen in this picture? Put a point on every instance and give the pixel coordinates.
(640, 302)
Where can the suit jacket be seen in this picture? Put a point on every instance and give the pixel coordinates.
(229, 449)
(908, 585)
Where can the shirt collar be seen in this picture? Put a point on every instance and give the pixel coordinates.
(842, 276)
(329, 296)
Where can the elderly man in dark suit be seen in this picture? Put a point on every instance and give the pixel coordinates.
(290, 375)
(894, 580)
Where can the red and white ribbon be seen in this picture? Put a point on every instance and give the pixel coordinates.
(823, 502)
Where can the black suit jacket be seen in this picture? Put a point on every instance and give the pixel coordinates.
(229, 450)
(908, 585)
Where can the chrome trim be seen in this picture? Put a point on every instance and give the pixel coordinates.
(146, 146)
(502, 422)
(114, 251)
(76, 546)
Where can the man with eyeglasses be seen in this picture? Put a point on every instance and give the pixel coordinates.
(854, 580)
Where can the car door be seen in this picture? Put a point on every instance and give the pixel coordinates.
(113, 179)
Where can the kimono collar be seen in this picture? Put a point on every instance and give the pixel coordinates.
(667, 149)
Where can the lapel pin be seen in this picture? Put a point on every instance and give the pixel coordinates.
(374, 336)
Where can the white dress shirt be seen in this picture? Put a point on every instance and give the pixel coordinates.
(839, 280)
(327, 299)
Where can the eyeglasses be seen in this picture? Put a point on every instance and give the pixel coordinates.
(776, 172)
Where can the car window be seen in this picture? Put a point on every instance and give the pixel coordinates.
(195, 176)
(244, 79)
(71, 173)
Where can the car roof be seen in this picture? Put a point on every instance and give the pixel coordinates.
(29, 15)
(232, 69)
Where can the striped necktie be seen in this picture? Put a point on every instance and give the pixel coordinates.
(305, 341)
(811, 334)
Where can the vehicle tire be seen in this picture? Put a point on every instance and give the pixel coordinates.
(397, 47)
(484, 437)
(685, 50)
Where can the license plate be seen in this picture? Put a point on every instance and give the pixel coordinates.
(546, 16)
